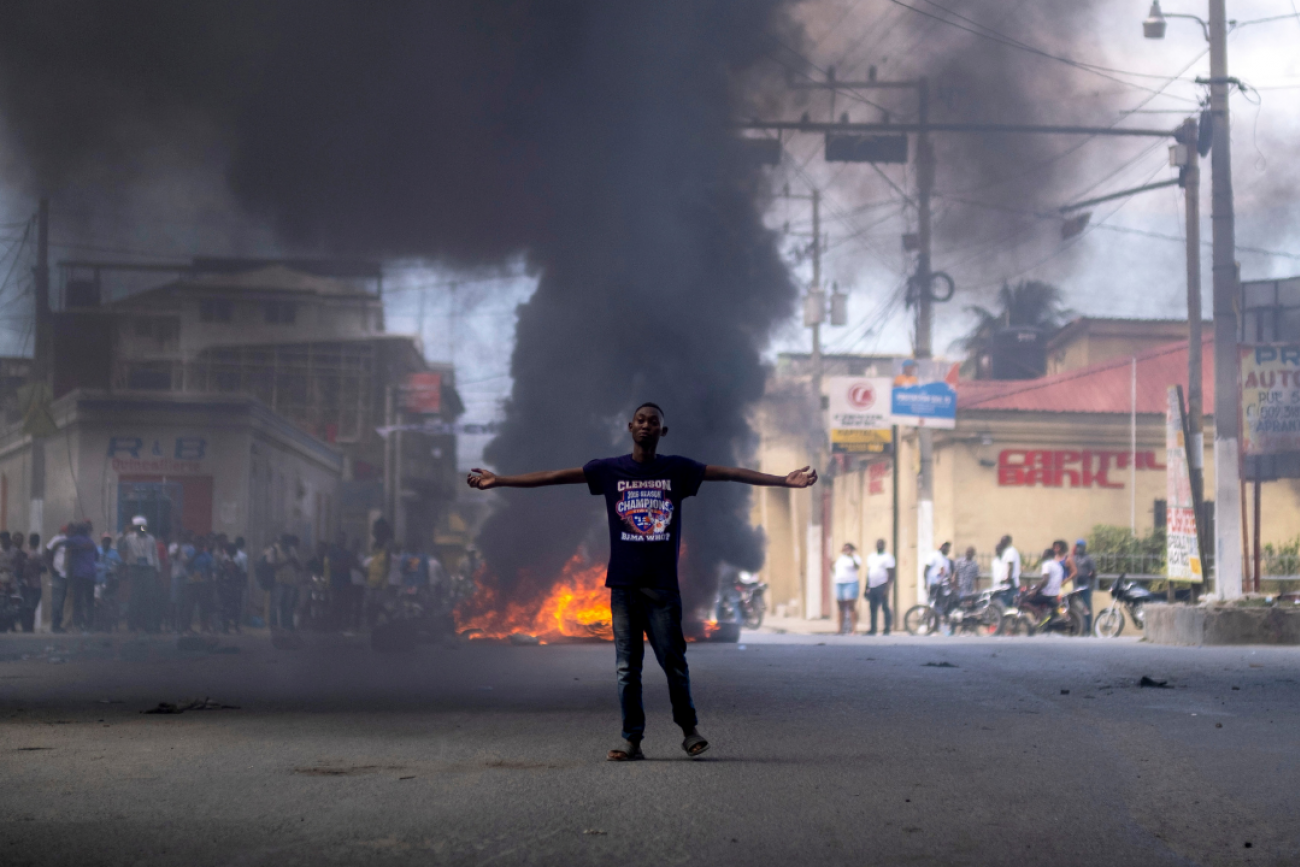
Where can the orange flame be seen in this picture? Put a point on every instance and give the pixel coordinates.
(576, 606)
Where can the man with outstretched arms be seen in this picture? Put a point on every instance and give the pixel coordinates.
(643, 495)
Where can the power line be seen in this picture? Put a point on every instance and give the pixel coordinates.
(1001, 39)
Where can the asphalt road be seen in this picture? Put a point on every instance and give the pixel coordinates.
(826, 751)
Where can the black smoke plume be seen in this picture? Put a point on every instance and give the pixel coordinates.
(589, 136)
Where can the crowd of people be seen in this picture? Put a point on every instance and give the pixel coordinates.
(194, 582)
(953, 579)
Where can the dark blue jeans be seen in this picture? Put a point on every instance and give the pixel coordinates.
(58, 596)
(284, 602)
(1085, 596)
(658, 614)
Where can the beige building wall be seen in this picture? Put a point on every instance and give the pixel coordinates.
(972, 508)
(1088, 341)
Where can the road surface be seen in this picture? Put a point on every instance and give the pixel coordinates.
(826, 750)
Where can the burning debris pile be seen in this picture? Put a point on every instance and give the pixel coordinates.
(574, 606)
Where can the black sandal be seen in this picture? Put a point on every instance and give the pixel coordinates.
(626, 751)
(695, 745)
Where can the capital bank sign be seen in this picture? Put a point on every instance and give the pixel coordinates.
(1059, 468)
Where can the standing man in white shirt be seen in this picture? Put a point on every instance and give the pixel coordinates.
(880, 573)
(1048, 592)
(1006, 570)
(847, 566)
(938, 571)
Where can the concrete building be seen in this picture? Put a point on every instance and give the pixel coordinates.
(200, 463)
(1088, 340)
(307, 341)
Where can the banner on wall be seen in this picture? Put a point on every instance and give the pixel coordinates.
(1183, 555)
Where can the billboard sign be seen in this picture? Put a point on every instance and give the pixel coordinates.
(1270, 399)
(924, 393)
(859, 408)
(1183, 555)
(424, 393)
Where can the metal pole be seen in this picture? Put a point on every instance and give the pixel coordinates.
(42, 364)
(1255, 529)
(1133, 448)
(818, 517)
(1191, 180)
(1228, 506)
(42, 360)
(42, 370)
(388, 453)
(924, 326)
(893, 542)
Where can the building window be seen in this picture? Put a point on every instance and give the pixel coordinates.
(216, 310)
(1161, 514)
(281, 312)
(163, 331)
(150, 376)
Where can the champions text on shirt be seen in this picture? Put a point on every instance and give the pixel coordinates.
(644, 503)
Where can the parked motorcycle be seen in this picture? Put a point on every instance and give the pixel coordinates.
(11, 607)
(1067, 617)
(742, 602)
(974, 614)
(1127, 595)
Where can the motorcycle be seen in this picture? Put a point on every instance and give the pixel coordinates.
(11, 608)
(1067, 617)
(743, 602)
(1128, 595)
(973, 614)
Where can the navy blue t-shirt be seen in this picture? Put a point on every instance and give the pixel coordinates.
(644, 502)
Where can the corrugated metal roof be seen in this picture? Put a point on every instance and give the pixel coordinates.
(1098, 388)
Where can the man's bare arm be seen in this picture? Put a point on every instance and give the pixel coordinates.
(485, 480)
(802, 478)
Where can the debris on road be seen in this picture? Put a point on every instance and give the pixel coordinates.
(1065, 692)
(192, 704)
(938, 665)
(1154, 684)
(595, 832)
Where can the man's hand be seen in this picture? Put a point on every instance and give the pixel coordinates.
(483, 480)
(802, 478)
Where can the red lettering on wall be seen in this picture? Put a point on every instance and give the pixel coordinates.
(1060, 467)
(876, 475)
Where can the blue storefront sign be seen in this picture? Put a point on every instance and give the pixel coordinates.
(924, 393)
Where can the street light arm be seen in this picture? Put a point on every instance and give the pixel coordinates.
(1205, 28)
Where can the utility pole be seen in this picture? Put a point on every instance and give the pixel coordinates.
(924, 328)
(817, 532)
(42, 364)
(924, 276)
(1191, 183)
(815, 591)
(1227, 472)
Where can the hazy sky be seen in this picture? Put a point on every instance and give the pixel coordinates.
(996, 199)
(1113, 269)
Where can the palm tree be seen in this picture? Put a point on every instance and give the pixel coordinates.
(1030, 303)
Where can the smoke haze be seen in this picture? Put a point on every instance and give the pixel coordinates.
(589, 137)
